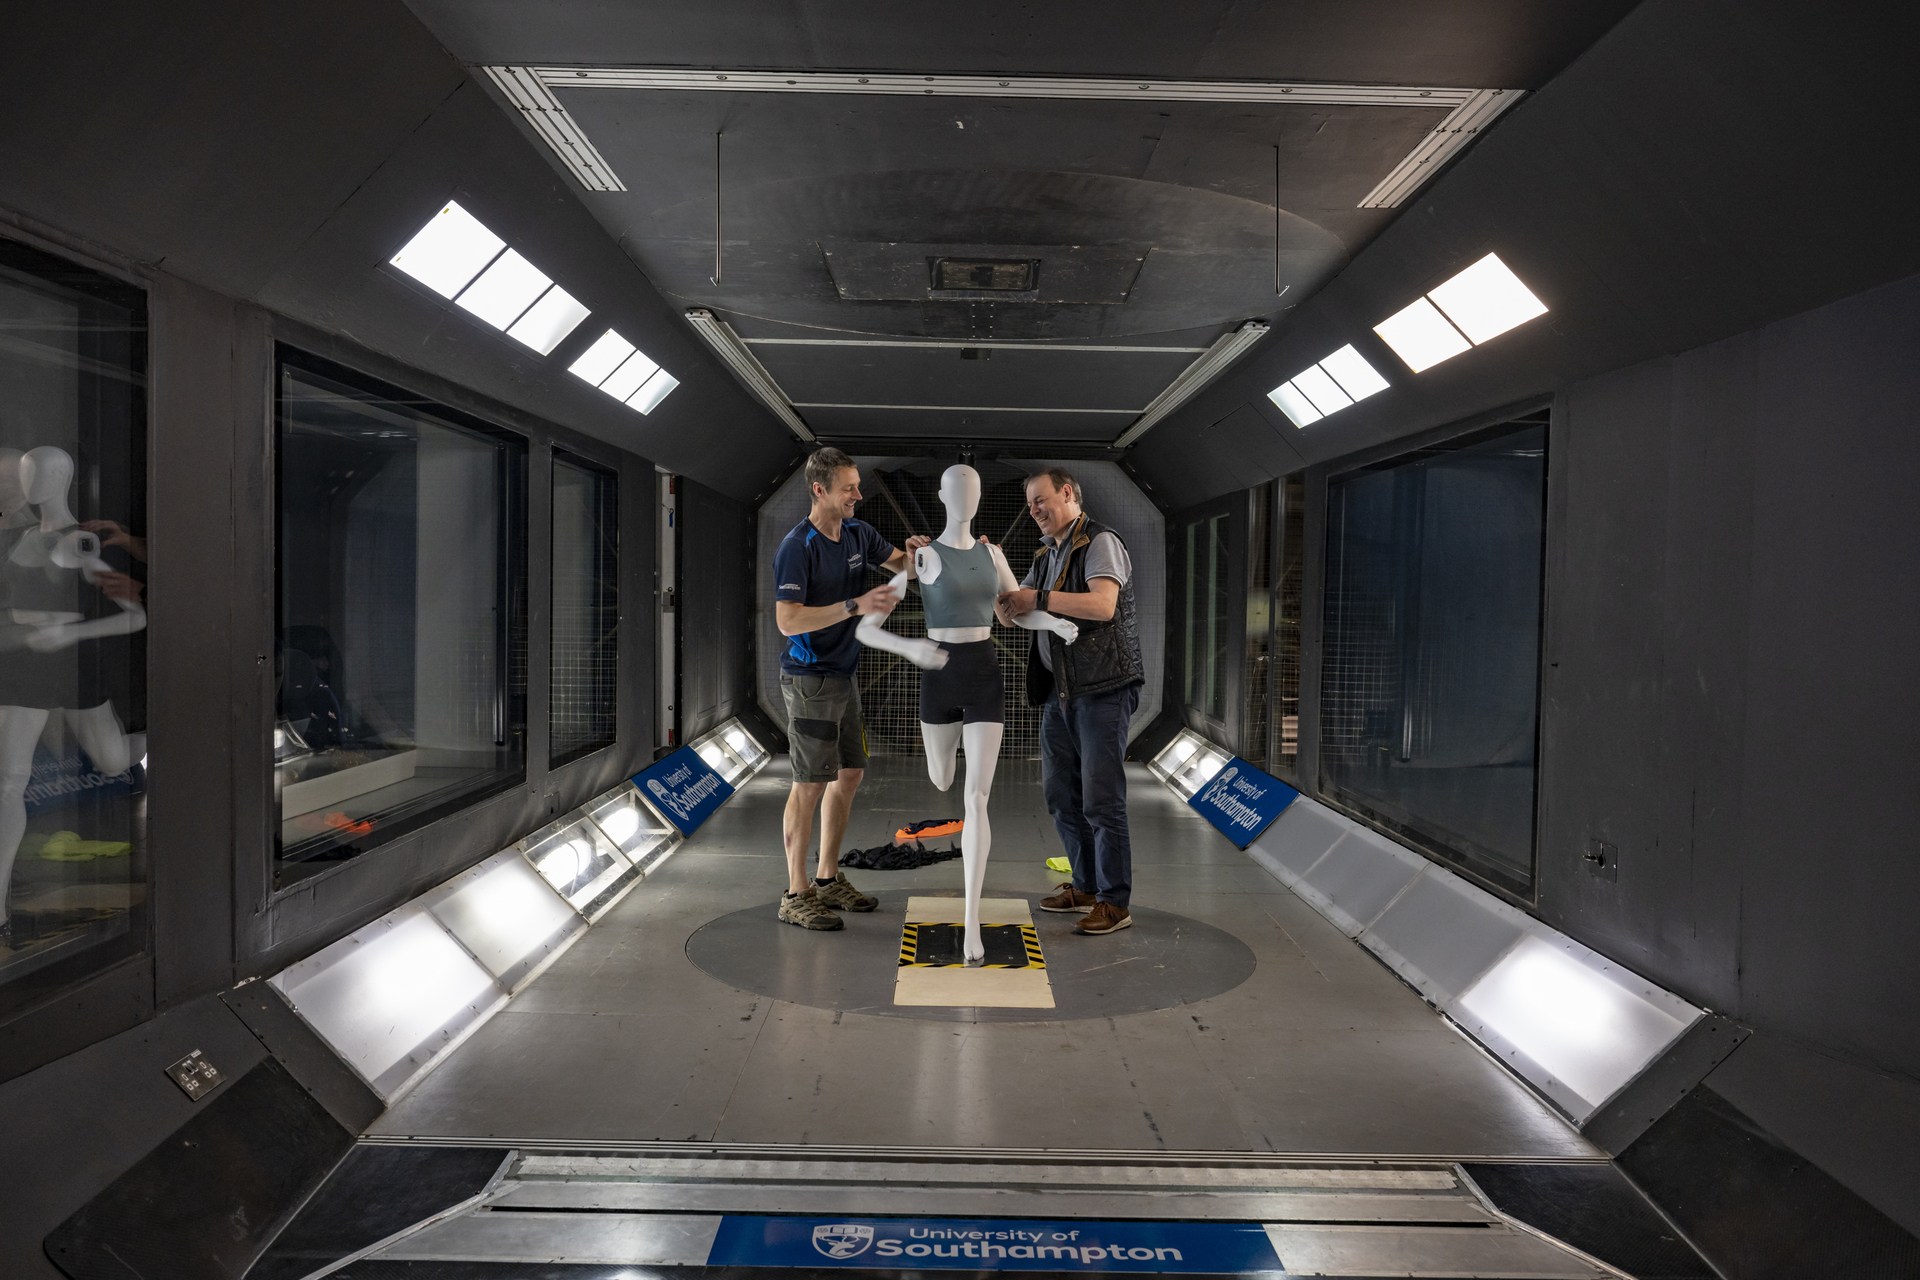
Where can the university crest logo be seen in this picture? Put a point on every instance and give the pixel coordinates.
(840, 1240)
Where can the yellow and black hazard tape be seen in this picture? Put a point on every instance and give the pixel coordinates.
(910, 947)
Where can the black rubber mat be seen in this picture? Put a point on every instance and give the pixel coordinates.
(207, 1201)
(1597, 1211)
(1758, 1208)
(376, 1193)
(943, 945)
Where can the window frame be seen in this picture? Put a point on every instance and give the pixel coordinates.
(512, 493)
(608, 475)
(1513, 421)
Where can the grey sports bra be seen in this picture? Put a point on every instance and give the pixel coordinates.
(963, 594)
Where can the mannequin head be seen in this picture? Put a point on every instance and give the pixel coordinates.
(46, 474)
(960, 491)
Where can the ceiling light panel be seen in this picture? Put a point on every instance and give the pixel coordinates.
(633, 371)
(449, 251)
(1486, 300)
(548, 321)
(1356, 377)
(1421, 336)
(652, 392)
(505, 290)
(602, 358)
(1298, 408)
(1325, 393)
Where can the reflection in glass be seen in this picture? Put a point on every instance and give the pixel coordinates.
(1256, 702)
(1220, 630)
(72, 609)
(586, 609)
(402, 623)
(1288, 590)
(1430, 690)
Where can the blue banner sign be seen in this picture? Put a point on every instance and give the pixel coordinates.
(992, 1244)
(684, 788)
(1242, 801)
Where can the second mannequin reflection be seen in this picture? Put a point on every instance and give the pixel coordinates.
(962, 698)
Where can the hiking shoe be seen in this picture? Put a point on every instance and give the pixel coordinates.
(842, 896)
(1105, 918)
(1068, 898)
(806, 910)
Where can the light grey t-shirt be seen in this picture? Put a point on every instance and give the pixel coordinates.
(1106, 558)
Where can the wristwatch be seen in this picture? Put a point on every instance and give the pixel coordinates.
(1040, 600)
(853, 606)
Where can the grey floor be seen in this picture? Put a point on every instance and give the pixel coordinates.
(1319, 1050)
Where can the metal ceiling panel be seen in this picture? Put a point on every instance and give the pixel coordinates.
(964, 425)
(1005, 377)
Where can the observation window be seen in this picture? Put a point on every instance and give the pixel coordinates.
(73, 568)
(401, 639)
(586, 608)
(1429, 695)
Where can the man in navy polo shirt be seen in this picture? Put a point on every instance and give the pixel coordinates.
(820, 576)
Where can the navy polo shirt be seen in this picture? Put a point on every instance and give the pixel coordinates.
(810, 568)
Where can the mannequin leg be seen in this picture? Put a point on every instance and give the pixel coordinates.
(19, 732)
(102, 737)
(976, 838)
(942, 742)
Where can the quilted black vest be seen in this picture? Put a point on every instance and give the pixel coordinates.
(1106, 655)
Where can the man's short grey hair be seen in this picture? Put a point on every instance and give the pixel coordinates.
(1061, 477)
(821, 466)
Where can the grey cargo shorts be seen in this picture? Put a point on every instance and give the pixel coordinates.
(825, 732)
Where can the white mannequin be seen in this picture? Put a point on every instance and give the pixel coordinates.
(40, 479)
(960, 493)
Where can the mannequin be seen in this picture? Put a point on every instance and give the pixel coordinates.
(964, 705)
(47, 561)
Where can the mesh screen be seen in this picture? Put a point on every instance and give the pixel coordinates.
(1288, 593)
(1258, 706)
(902, 497)
(586, 610)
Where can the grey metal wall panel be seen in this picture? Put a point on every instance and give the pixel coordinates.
(1634, 194)
(717, 601)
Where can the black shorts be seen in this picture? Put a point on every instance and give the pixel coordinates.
(968, 688)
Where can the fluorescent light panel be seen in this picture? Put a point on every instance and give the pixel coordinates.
(459, 259)
(602, 358)
(1325, 393)
(504, 290)
(548, 321)
(624, 372)
(633, 371)
(447, 253)
(1327, 387)
(1297, 407)
(1478, 304)
(1421, 336)
(652, 392)
(1486, 300)
(1356, 377)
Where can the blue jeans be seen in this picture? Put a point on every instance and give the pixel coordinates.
(1083, 751)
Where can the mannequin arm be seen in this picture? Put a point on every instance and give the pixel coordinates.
(1030, 619)
(63, 635)
(873, 633)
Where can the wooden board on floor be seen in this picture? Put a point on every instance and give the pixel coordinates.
(976, 988)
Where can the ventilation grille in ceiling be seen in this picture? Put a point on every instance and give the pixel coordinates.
(998, 275)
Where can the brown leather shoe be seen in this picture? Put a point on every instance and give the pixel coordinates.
(1068, 898)
(1105, 918)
